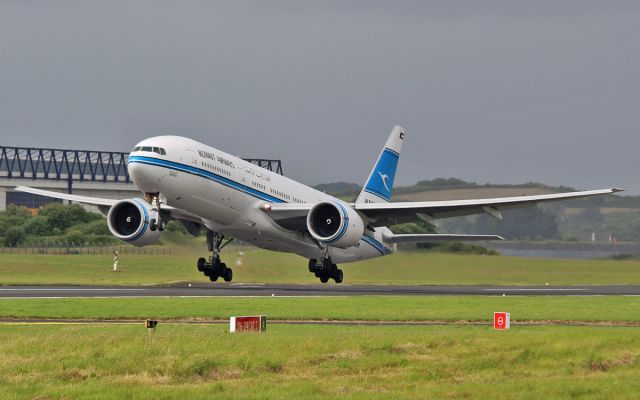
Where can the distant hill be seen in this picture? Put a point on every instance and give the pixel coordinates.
(339, 189)
(343, 189)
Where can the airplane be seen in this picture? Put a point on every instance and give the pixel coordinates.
(202, 187)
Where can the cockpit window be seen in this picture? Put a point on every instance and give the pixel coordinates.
(158, 150)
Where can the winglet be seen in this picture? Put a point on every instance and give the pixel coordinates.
(379, 185)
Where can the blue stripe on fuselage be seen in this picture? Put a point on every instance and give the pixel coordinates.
(204, 174)
(377, 245)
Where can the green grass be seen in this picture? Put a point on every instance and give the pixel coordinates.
(317, 362)
(264, 266)
(371, 308)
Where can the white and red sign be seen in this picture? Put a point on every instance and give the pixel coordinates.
(501, 321)
(256, 323)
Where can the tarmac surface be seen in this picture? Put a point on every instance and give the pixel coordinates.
(257, 289)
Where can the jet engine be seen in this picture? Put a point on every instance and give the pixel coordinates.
(134, 221)
(335, 224)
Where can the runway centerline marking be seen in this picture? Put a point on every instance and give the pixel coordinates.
(249, 287)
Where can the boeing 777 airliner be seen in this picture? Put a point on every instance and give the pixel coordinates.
(200, 186)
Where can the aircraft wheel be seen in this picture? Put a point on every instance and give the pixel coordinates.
(153, 225)
(213, 277)
(337, 276)
(221, 268)
(202, 264)
(312, 265)
(228, 275)
(324, 278)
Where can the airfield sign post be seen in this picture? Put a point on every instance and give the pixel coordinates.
(501, 321)
(257, 323)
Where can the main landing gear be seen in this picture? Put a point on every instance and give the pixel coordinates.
(325, 269)
(214, 268)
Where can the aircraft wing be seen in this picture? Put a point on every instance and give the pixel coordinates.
(95, 201)
(105, 204)
(401, 212)
(293, 216)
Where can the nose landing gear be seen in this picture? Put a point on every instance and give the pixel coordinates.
(215, 268)
(154, 200)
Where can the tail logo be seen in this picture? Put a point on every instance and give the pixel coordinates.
(384, 178)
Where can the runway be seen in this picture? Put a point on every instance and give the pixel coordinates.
(291, 290)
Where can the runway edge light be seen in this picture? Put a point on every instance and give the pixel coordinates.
(256, 323)
(501, 321)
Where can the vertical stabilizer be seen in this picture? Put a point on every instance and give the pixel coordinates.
(379, 185)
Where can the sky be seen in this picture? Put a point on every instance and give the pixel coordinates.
(488, 91)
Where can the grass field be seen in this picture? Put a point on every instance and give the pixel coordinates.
(312, 362)
(122, 361)
(411, 267)
(367, 308)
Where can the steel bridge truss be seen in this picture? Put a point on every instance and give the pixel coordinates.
(79, 165)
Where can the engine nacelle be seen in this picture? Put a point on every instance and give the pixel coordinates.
(335, 224)
(130, 221)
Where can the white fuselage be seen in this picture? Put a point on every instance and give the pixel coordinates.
(226, 193)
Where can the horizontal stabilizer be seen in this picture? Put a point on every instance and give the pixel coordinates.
(437, 238)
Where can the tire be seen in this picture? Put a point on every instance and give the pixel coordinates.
(153, 225)
(324, 278)
(221, 269)
(228, 275)
(202, 264)
(161, 226)
(312, 265)
(337, 276)
(213, 277)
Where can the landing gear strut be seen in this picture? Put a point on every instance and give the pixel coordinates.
(154, 200)
(325, 269)
(214, 268)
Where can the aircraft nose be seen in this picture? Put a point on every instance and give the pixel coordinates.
(144, 176)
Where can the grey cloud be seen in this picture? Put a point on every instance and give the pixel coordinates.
(488, 91)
